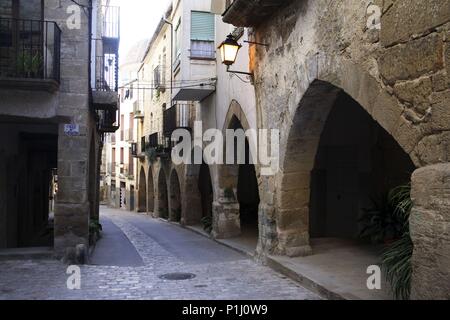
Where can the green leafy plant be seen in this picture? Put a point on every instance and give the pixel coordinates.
(378, 223)
(207, 224)
(397, 267)
(152, 154)
(387, 222)
(396, 257)
(95, 229)
(29, 65)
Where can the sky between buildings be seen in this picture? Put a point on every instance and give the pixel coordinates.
(139, 19)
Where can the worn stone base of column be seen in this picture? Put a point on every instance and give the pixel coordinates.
(71, 227)
(294, 243)
(430, 225)
(226, 219)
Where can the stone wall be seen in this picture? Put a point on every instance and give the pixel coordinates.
(72, 209)
(399, 74)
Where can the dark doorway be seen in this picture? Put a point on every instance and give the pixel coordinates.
(163, 200)
(247, 187)
(206, 191)
(175, 197)
(357, 162)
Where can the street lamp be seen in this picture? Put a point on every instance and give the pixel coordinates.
(229, 50)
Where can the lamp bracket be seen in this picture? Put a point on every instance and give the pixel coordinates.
(239, 72)
(257, 43)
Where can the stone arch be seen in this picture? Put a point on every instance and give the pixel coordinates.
(150, 192)
(142, 192)
(175, 197)
(162, 201)
(238, 188)
(206, 190)
(300, 150)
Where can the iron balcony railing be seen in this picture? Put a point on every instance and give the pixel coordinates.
(143, 144)
(30, 49)
(111, 22)
(159, 78)
(107, 121)
(180, 116)
(154, 140)
(107, 73)
(134, 149)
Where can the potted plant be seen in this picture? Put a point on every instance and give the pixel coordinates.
(29, 65)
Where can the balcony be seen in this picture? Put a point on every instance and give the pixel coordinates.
(159, 78)
(194, 90)
(137, 110)
(134, 149)
(30, 54)
(250, 13)
(138, 149)
(180, 116)
(129, 135)
(107, 121)
(105, 93)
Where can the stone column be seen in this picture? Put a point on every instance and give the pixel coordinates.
(226, 217)
(191, 202)
(430, 232)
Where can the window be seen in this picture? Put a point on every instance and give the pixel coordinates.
(202, 35)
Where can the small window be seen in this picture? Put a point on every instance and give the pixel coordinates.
(202, 35)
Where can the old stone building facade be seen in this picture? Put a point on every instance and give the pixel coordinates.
(56, 105)
(360, 96)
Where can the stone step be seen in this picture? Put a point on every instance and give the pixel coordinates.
(27, 254)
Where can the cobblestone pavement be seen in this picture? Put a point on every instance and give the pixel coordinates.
(233, 280)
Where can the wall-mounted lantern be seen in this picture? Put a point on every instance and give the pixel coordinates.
(229, 50)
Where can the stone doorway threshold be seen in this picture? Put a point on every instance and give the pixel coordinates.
(246, 243)
(39, 253)
(337, 270)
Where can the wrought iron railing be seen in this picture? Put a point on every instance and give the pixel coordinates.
(178, 117)
(111, 22)
(30, 49)
(143, 144)
(107, 73)
(159, 78)
(107, 121)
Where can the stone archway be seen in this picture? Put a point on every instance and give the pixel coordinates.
(205, 188)
(162, 199)
(299, 161)
(142, 192)
(235, 211)
(175, 198)
(150, 192)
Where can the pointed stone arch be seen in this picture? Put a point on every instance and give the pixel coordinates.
(299, 155)
(162, 201)
(150, 192)
(235, 199)
(175, 197)
(142, 192)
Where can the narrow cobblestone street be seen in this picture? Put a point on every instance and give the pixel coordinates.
(220, 272)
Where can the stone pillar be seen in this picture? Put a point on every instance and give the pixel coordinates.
(430, 232)
(226, 217)
(191, 202)
(293, 213)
